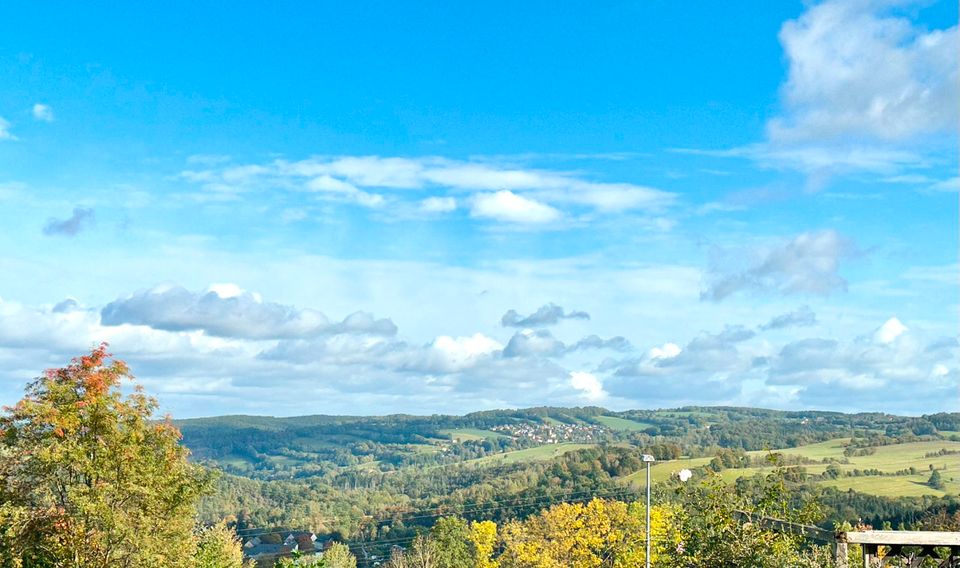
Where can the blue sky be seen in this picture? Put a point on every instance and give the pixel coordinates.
(289, 209)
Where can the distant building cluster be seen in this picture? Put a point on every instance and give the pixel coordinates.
(554, 433)
(275, 545)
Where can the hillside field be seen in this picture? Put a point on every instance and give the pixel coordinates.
(887, 459)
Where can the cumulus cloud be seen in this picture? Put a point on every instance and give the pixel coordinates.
(42, 112)
(867, 88)
(512, 208)
(448, 354)
(589, 385)
(893, 367)
(807, 264)
(549, 314)
(227, 311)
(803, 316)
(542, 343)
(889, 331)
(705, 355)
(834, 90)
(81, 219)
(534, 342)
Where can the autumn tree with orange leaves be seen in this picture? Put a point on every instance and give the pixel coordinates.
(89, 478)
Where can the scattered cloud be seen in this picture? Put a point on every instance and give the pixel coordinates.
(42, 112)
(228, 311)
(184, 364)
(438, 204)
(893, 367)
(497, 190)
(824, 158)
(801, 317)
(81, 219)
(542, 343)
(512, 208)
(807, 264)
(5, 133)
(947, 185)
(549, 314)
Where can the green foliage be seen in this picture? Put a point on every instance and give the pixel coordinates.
(339, 556)
(301, 562)
(724, 525)
(88, 478)
(218, 547)
(451, 538)
(936, 480)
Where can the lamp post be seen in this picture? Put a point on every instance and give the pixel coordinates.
(648, 459)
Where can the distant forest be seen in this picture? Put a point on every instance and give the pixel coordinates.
(384, 478)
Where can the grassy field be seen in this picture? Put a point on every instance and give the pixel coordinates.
(900, 486)
(540, 453)
(887, 459)
(468, 434)
(622, 424)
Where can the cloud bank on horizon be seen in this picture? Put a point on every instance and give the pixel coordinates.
(421, 238)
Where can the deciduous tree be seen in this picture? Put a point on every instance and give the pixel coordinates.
(88, 477)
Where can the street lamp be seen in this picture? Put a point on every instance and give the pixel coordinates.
(648, 459)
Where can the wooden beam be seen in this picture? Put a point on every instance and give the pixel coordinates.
(902, 538)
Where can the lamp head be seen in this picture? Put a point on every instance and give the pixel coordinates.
(647, 458)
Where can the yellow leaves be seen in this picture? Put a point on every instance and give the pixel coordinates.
(483, 538)
(584, 535)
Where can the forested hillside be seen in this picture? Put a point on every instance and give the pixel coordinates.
(386, 479)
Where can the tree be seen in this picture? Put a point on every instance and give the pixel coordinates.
(591, 535)
(339, 556)
(88, 478)
(218, 547)
(451, 543)
(723, 525)
(483, 541)
(936, 480)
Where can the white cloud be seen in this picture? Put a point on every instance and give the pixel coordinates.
(803, 316)
(512, 208)
(42, 112)
(438, 204)
(822, 158)
(808, 263)
(666, 351)
(5, 133)
(447, 354)
(354, 176)
(547, 314)
(889, 331)
(225, 310)
(530, 342)
(331, 185)
(894, 368)
(589, 385)
(860, 68)
(947, 185)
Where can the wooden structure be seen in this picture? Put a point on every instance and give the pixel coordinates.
(911, 547)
